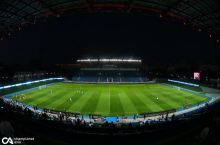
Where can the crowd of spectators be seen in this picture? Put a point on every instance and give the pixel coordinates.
(77, 119)
(16, 119)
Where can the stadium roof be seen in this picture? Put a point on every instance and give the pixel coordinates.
(202, 14)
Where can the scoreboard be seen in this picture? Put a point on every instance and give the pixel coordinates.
(196, 76)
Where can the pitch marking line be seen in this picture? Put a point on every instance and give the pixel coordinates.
(109, 94)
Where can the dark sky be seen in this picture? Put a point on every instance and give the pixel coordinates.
(155, 40)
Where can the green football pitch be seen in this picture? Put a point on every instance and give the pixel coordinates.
(109, 99)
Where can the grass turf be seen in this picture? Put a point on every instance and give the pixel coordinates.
(109, 99)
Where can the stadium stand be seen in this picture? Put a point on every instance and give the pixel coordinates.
(110, 72)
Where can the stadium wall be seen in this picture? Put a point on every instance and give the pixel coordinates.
(27, 85)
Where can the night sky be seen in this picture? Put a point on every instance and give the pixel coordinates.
(109, 34)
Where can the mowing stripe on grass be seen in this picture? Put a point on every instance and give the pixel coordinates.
(91, 104)
(140, 106)
(193, 99)
(50, 98)
(66, 104)
(76, 106)
(127, 103)
(31, 99)
(103, 106)
(172, 99)
(162, 102)
(115, 105)
(173, 95)
(149, 102)
(60, 100)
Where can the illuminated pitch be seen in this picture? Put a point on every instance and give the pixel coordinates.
(110, 99)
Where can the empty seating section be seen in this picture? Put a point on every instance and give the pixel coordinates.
(109, 76)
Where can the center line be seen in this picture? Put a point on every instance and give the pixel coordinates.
(109, 99)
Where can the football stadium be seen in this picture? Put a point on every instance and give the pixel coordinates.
(109, 72)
